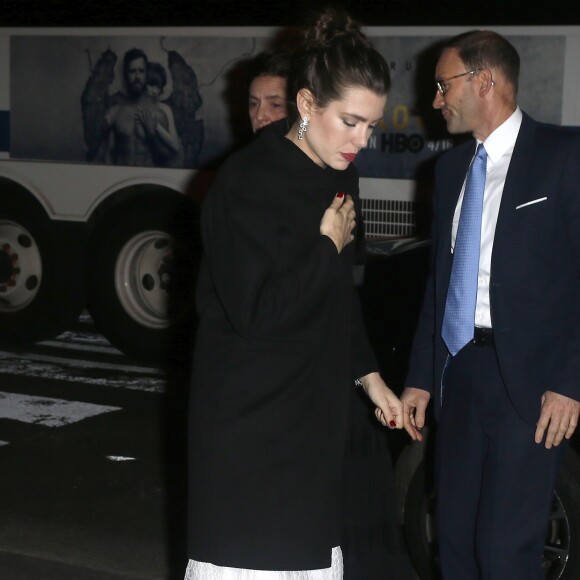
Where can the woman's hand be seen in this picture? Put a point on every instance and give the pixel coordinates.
(338, 221)
(147, 120)
(389, 409)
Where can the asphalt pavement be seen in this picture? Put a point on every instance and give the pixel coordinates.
(92, 463)
(92, 466)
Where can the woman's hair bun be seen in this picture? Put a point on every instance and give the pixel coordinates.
(330, 25)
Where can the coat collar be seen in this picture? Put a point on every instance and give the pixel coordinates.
(273, 137)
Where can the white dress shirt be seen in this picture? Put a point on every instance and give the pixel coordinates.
(499, 146)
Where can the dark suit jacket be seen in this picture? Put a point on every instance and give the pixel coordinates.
(535, 270)
(280, 342)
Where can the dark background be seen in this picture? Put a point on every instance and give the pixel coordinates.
(466, 13)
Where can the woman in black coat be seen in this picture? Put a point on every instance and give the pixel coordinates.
(281, 339)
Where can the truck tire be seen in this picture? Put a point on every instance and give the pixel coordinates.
(41, 276)
(561, 558)
(562, 549)
(142, 265)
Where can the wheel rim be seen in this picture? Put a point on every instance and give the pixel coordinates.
(145, 279)
(557, 547)
(20, 267)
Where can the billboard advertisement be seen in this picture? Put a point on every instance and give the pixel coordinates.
(172, 101)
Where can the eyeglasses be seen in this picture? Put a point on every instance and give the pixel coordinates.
(443, 86)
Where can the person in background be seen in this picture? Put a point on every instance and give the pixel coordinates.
(267, 91)
(498, 339)
(280, 338)
(129, 127)
(156, 81)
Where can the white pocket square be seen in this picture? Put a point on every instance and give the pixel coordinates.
(532, 202)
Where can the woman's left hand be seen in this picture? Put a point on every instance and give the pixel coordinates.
(389, 409)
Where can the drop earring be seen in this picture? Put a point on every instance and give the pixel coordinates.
(302, 128)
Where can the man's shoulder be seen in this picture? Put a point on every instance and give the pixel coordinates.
(456, 154)
(558, 132)
(550, 131)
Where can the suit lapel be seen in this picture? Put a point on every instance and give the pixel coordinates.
(516, 179)
(453, 184)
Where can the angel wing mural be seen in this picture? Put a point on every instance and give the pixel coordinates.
(185, 100)
(96, 101)
(180, 108)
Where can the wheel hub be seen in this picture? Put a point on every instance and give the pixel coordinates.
(5, 267)
(145, 279)
(20, 267)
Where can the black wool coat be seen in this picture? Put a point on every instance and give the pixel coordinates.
(279, 343)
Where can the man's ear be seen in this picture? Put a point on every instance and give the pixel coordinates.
(486, 81)
(305, 103)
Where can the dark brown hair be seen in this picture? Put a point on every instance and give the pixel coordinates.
(336, 55)
(131, 55)
(270, 64)
(480, 49)
(156, 75)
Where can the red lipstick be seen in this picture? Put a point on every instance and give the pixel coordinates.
(350, 157)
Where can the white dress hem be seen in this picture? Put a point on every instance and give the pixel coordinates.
(206, 571)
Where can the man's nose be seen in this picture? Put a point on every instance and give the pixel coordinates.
(439, 100)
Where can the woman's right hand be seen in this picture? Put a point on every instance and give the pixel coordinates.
(389, 409)
(338, 221)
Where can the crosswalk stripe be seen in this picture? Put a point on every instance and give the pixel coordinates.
(83, 336)
(60, 359)
(80, 363)
(79, 356)
(82, 347)
(47, 411)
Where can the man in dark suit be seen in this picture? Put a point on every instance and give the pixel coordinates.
(505, 383)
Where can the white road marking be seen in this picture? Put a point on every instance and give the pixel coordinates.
(85, 337)
(85, 364)
(90, 347)
(47, 411)
(65, 365)
(29, 368)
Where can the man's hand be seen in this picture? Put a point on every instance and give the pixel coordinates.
(415, 403)
(559, 416)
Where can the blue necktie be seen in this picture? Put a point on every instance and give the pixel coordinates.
(458, 321)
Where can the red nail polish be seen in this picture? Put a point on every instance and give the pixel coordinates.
(392, 423)
(340, 194)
